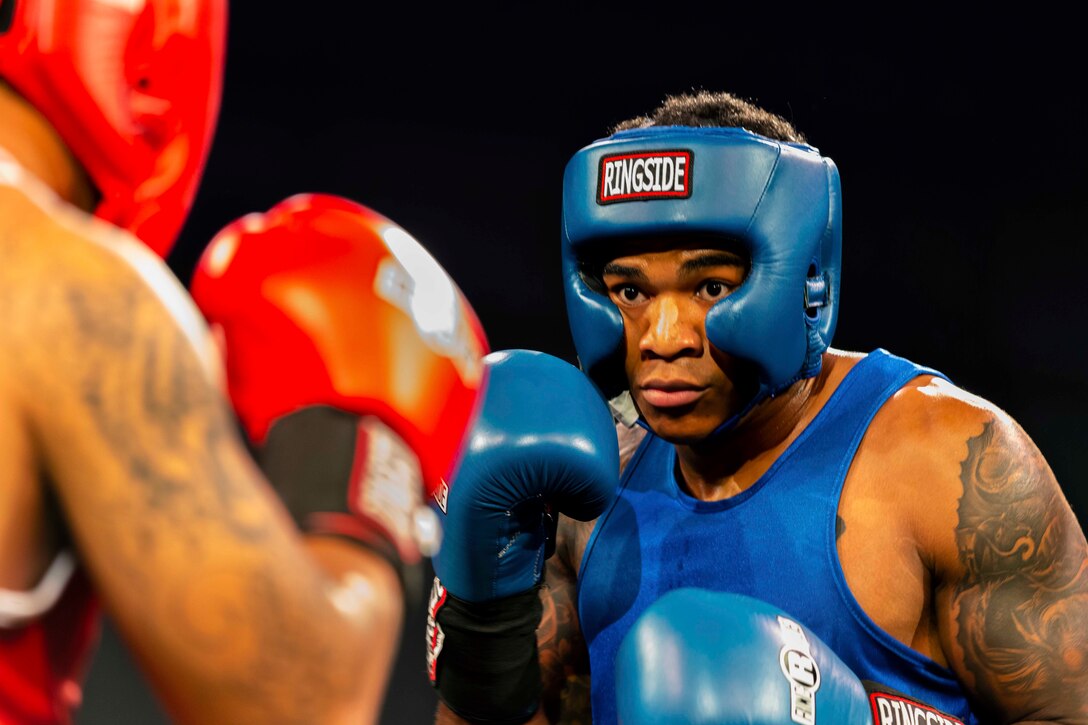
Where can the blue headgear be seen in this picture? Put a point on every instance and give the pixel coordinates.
(780, 200)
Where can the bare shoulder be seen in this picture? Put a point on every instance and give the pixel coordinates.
(97, 331)
(67, 276)
(929, 420)
(1009, 559)
(935, 420)
(925, 439)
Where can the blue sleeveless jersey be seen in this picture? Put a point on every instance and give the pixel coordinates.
(774, 541)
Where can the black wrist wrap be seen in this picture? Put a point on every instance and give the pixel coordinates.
(486, 667)
(308, 457)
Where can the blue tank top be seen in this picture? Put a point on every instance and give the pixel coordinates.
(774, 541)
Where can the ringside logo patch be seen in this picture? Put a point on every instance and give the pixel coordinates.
(644, 175)
(892, 708)
(435, 636)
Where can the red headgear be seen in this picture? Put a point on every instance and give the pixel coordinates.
(322, 301)
(132, 86)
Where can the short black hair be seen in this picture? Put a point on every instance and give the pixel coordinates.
(704, 109)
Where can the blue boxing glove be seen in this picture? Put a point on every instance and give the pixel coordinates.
(544, 443)
(712, 658)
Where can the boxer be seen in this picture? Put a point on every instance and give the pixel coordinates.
(912, 527)
(126, 482)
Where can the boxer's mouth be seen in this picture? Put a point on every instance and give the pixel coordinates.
(670, 393)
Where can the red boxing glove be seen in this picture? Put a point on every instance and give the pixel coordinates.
(353, 361)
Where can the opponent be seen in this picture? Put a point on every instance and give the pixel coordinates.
(125, 479)
(914, 528)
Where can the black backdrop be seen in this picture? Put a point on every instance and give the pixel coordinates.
(960, 141)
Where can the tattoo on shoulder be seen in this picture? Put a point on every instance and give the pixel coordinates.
(1022, 605)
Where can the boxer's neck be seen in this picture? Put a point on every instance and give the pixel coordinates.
(730, 463)
(34, 144)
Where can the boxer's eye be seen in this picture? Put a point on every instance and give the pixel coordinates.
(714, 290)
(628, 294)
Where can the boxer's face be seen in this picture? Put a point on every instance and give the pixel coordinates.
(683, 386)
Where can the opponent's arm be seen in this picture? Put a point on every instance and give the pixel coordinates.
(1013, 603)
(354, 365)
(191, 553)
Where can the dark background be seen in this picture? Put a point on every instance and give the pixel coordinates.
(960, 141)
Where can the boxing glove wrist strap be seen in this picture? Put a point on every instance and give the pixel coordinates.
(482, 656)
(350, 476)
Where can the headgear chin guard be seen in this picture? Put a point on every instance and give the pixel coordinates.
(132, 87)
(780, 200)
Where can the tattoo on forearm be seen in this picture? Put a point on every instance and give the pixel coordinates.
(563, 655)
(1022, 606)
(575, 703)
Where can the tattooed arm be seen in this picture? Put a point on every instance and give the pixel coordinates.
(564, 658)
(192, 554)
(564, 655)
(1013, 602)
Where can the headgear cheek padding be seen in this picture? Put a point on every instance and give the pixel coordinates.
(779, 200)
(769, 318)
(597, 328)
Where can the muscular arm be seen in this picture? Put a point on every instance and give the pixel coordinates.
(192, 554)
(564, 658)
(1014, 613)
